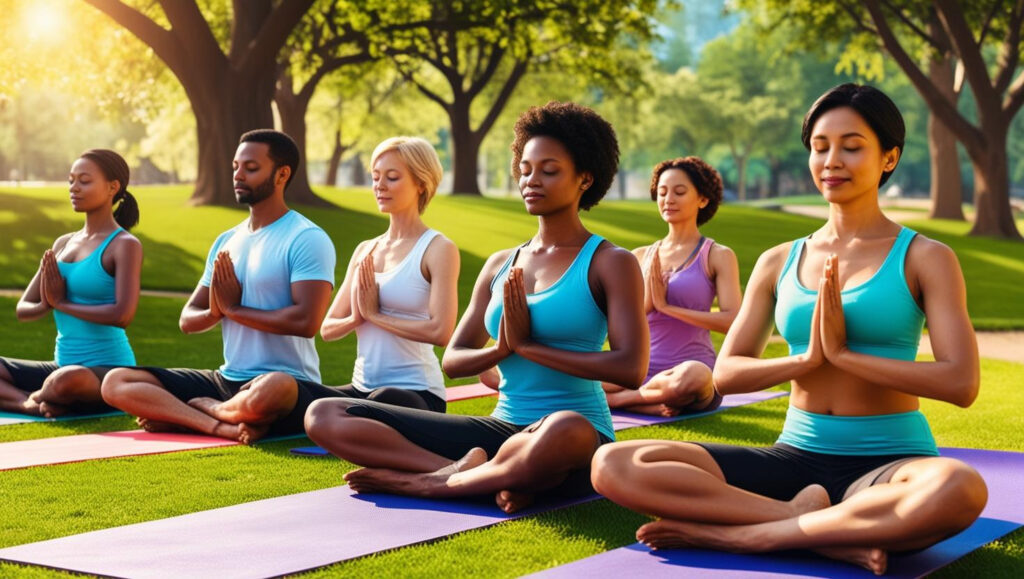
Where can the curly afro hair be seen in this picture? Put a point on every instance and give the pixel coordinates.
(703, 176)
(589, 139)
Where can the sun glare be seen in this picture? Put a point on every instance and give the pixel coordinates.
(44, 21)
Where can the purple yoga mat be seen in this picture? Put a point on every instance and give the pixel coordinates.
(623, 420)
(266, 538)
(1003, 472)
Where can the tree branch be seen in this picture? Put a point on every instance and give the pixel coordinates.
(898, 11)
(272, 35)
(499, 103)
(494, 59)
(1009, 52)
(162, 41)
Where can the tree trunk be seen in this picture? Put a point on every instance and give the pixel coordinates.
(994, 216)
(774, 172)
(623, 176)
(358, 172)
(946, 188)
(741, 177)
(465, 150)
(331, 180)
(292, 108)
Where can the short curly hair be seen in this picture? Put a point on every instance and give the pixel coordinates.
(589, 139)
(703, 176)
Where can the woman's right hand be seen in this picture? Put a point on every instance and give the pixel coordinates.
(815, 354)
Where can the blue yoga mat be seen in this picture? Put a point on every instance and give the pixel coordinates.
(1003, 472)
(13, 418)
(623, 420)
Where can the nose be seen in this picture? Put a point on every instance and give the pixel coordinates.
(832, 158)
(238, 174)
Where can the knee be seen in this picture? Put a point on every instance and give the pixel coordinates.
(115, 385)
(397, 397)
(326, 418)
(69, 379)
(572, 433)
(273, 390)
(608, 468)
(965, 493)
(690, 378)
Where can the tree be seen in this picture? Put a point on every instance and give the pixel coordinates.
(230, 90)
(475, 44)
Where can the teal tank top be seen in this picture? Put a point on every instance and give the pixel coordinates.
(878, 435)
(562, 316)
(86, 343)
(882, 318)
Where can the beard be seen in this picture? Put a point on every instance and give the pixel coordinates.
(252, 196)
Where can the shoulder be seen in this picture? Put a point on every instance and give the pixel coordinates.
(641, 251)
(722, 253)
(126, 242)
(497, 259)
(441, 247)
(61, 241)
(941, 260)
(770, 264)
(612, 259)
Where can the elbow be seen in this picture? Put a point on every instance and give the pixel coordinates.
(442, 335)
(722, 379)
(967, 392)
(727, 319)
(308, 330)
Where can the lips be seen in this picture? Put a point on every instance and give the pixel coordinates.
(833, 181)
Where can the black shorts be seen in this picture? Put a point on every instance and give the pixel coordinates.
(781, 471)
(421, 399)
(187, 383)
(453, 435)
(29, 376)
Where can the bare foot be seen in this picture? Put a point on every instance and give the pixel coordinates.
(669, 411)
(872, 559)
(51, 410)
(157, 426)
(420, 484)
(491, 378)
(670, 534)
(206, 405)
(512, 501)
(250, 433)
(31, 407)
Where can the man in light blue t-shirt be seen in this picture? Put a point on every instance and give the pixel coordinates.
(268, 283)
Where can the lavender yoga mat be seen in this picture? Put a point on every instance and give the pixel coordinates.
(623, 420)
(266, 538)
(1003, 472)
(14, 418)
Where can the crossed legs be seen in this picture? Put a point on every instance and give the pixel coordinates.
(924, 501)
(244, 417)
(536, 459)
(684, 387)
(63, 388)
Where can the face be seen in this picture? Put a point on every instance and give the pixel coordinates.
(678, 199)
(548, 179)
(88, 187)
(394, 186)
(847, 159)
(254, 174)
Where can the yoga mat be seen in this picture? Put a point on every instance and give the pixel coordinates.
(623, 420)
(1003, 472)
(467, 391)
(266, 538)
(79, 447)
(14, 418)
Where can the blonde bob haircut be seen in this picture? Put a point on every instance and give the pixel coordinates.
(421, 159)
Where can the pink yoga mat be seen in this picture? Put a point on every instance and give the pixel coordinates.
(466, 391)
(80, 447)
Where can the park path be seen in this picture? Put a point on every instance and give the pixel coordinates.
(1007, 346)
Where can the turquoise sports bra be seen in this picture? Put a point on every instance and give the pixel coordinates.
(882, 318)
(562, 316)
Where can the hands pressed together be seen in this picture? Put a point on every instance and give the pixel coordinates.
(514, 331)
(365, 292)
(828, 324)
(52, 287)
(225, 289)
(656, 281)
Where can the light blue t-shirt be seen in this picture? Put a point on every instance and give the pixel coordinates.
(267, 262)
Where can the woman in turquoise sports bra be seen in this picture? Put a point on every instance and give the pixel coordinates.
(90, 279)
(855, 473)
(548, 304)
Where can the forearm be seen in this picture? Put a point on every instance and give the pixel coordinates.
(739, 374)
(459, 362)
(26, 311)
(195, 320)
(622, 367)
(948, 381)
(714, 321)
(119, 315)
(429, 331)
(337, 328)
(292, 320)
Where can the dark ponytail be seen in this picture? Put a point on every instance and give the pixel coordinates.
(115, 168)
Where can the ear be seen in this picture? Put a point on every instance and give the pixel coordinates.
(283, 173)
(890, 159)
(115, 186)
(587, 181)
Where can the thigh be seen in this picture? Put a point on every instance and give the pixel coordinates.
(28, 375)
(188, 383)
(448, 435)
(771, 471)
(421, 399)
(308, 392)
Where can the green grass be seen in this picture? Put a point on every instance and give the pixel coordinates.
(60, 500)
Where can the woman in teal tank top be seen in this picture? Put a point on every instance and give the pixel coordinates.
(548, 305)
(90, 280)
(855, 473)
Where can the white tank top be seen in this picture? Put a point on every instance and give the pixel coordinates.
(384, 359)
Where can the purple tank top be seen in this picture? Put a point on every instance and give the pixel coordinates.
(674, 341)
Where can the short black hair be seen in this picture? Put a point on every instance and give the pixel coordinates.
(283, 150)
(873, 105)
(589, 139)
(703, 176)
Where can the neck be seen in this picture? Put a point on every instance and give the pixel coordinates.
(682, 233)
(861, 217)
(405, 224)
(562, 228)
(267, 211)
(99, 222)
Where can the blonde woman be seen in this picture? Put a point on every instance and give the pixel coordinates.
(400, 293)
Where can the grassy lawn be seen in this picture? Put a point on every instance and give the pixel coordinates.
(55, 501)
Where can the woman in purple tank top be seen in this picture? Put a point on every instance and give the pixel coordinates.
(684, 272)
